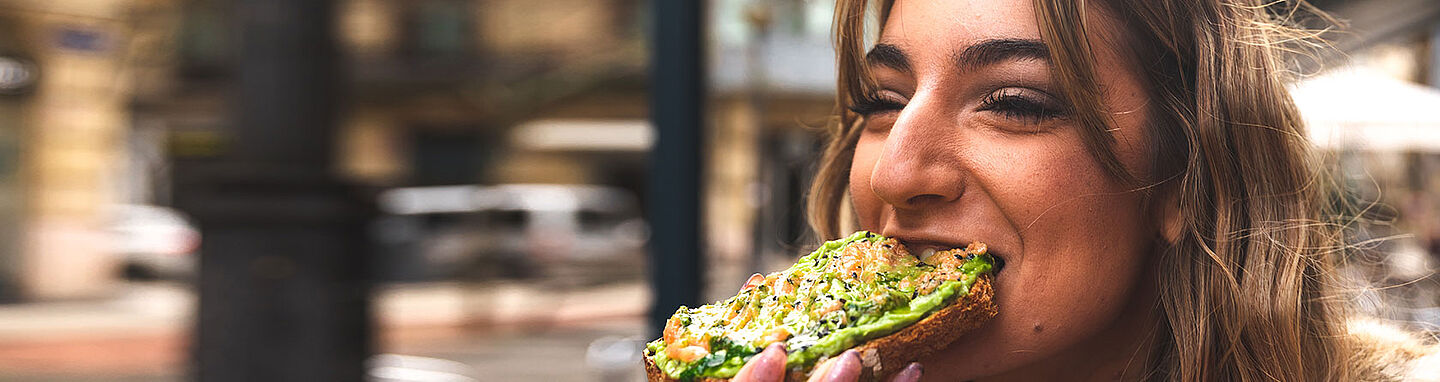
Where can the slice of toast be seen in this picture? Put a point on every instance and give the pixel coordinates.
(887, 355)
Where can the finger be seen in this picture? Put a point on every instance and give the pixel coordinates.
(768, 366)
(845, 368)
(911, 373)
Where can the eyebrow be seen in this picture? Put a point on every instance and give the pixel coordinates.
(889, 56)
(990, 52)
(984, 53)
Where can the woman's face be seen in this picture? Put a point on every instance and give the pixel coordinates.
(968, 140)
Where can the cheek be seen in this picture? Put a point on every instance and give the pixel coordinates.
(1085, 245)
(1071, 215)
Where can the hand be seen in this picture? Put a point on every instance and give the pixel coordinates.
(769, 366)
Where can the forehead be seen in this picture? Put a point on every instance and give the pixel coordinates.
(927, 30)
(924, 25)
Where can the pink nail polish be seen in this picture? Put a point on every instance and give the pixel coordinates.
(911, 373)
(846, 367)
(768, 366)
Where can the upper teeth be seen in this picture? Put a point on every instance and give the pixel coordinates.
(925, 254)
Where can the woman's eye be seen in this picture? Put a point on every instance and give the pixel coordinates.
(879, 102)
(1024, 105)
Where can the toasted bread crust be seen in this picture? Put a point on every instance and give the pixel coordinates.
(887, 355)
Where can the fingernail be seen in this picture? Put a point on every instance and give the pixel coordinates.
(775, 350)
(768, 366)
(911, 373)
(846, 367)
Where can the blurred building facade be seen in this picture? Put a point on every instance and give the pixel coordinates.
(61, 144)
(432, 88)
(446, 92)
(434, 92)
(772, 82)
(439, 85)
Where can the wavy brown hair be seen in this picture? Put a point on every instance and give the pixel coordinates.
(1247, 287)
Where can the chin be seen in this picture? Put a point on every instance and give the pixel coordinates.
(980, 354)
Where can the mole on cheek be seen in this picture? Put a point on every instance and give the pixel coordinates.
(1039, 328)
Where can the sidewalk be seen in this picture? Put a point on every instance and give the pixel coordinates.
(142, 333)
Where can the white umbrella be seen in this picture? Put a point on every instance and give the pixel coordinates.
(1358, 109)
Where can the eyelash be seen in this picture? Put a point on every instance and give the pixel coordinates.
(872, 104)
(1022, 108)
(1008, 104)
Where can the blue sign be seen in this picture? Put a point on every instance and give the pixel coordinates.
(84, 40)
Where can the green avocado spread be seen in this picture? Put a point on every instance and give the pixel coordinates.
(847, 292)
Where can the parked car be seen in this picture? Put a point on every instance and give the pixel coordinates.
(517, 230)
(154, 242)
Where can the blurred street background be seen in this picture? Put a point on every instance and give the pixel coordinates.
(468, 190)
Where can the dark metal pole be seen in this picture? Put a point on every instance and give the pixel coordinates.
(282, 284)
(677, 96)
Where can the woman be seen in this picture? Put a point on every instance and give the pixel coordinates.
(1138, 165)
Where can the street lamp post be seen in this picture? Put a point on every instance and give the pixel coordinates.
(676, 107)
(283, 285)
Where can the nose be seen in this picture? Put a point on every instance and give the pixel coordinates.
(918, 166)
